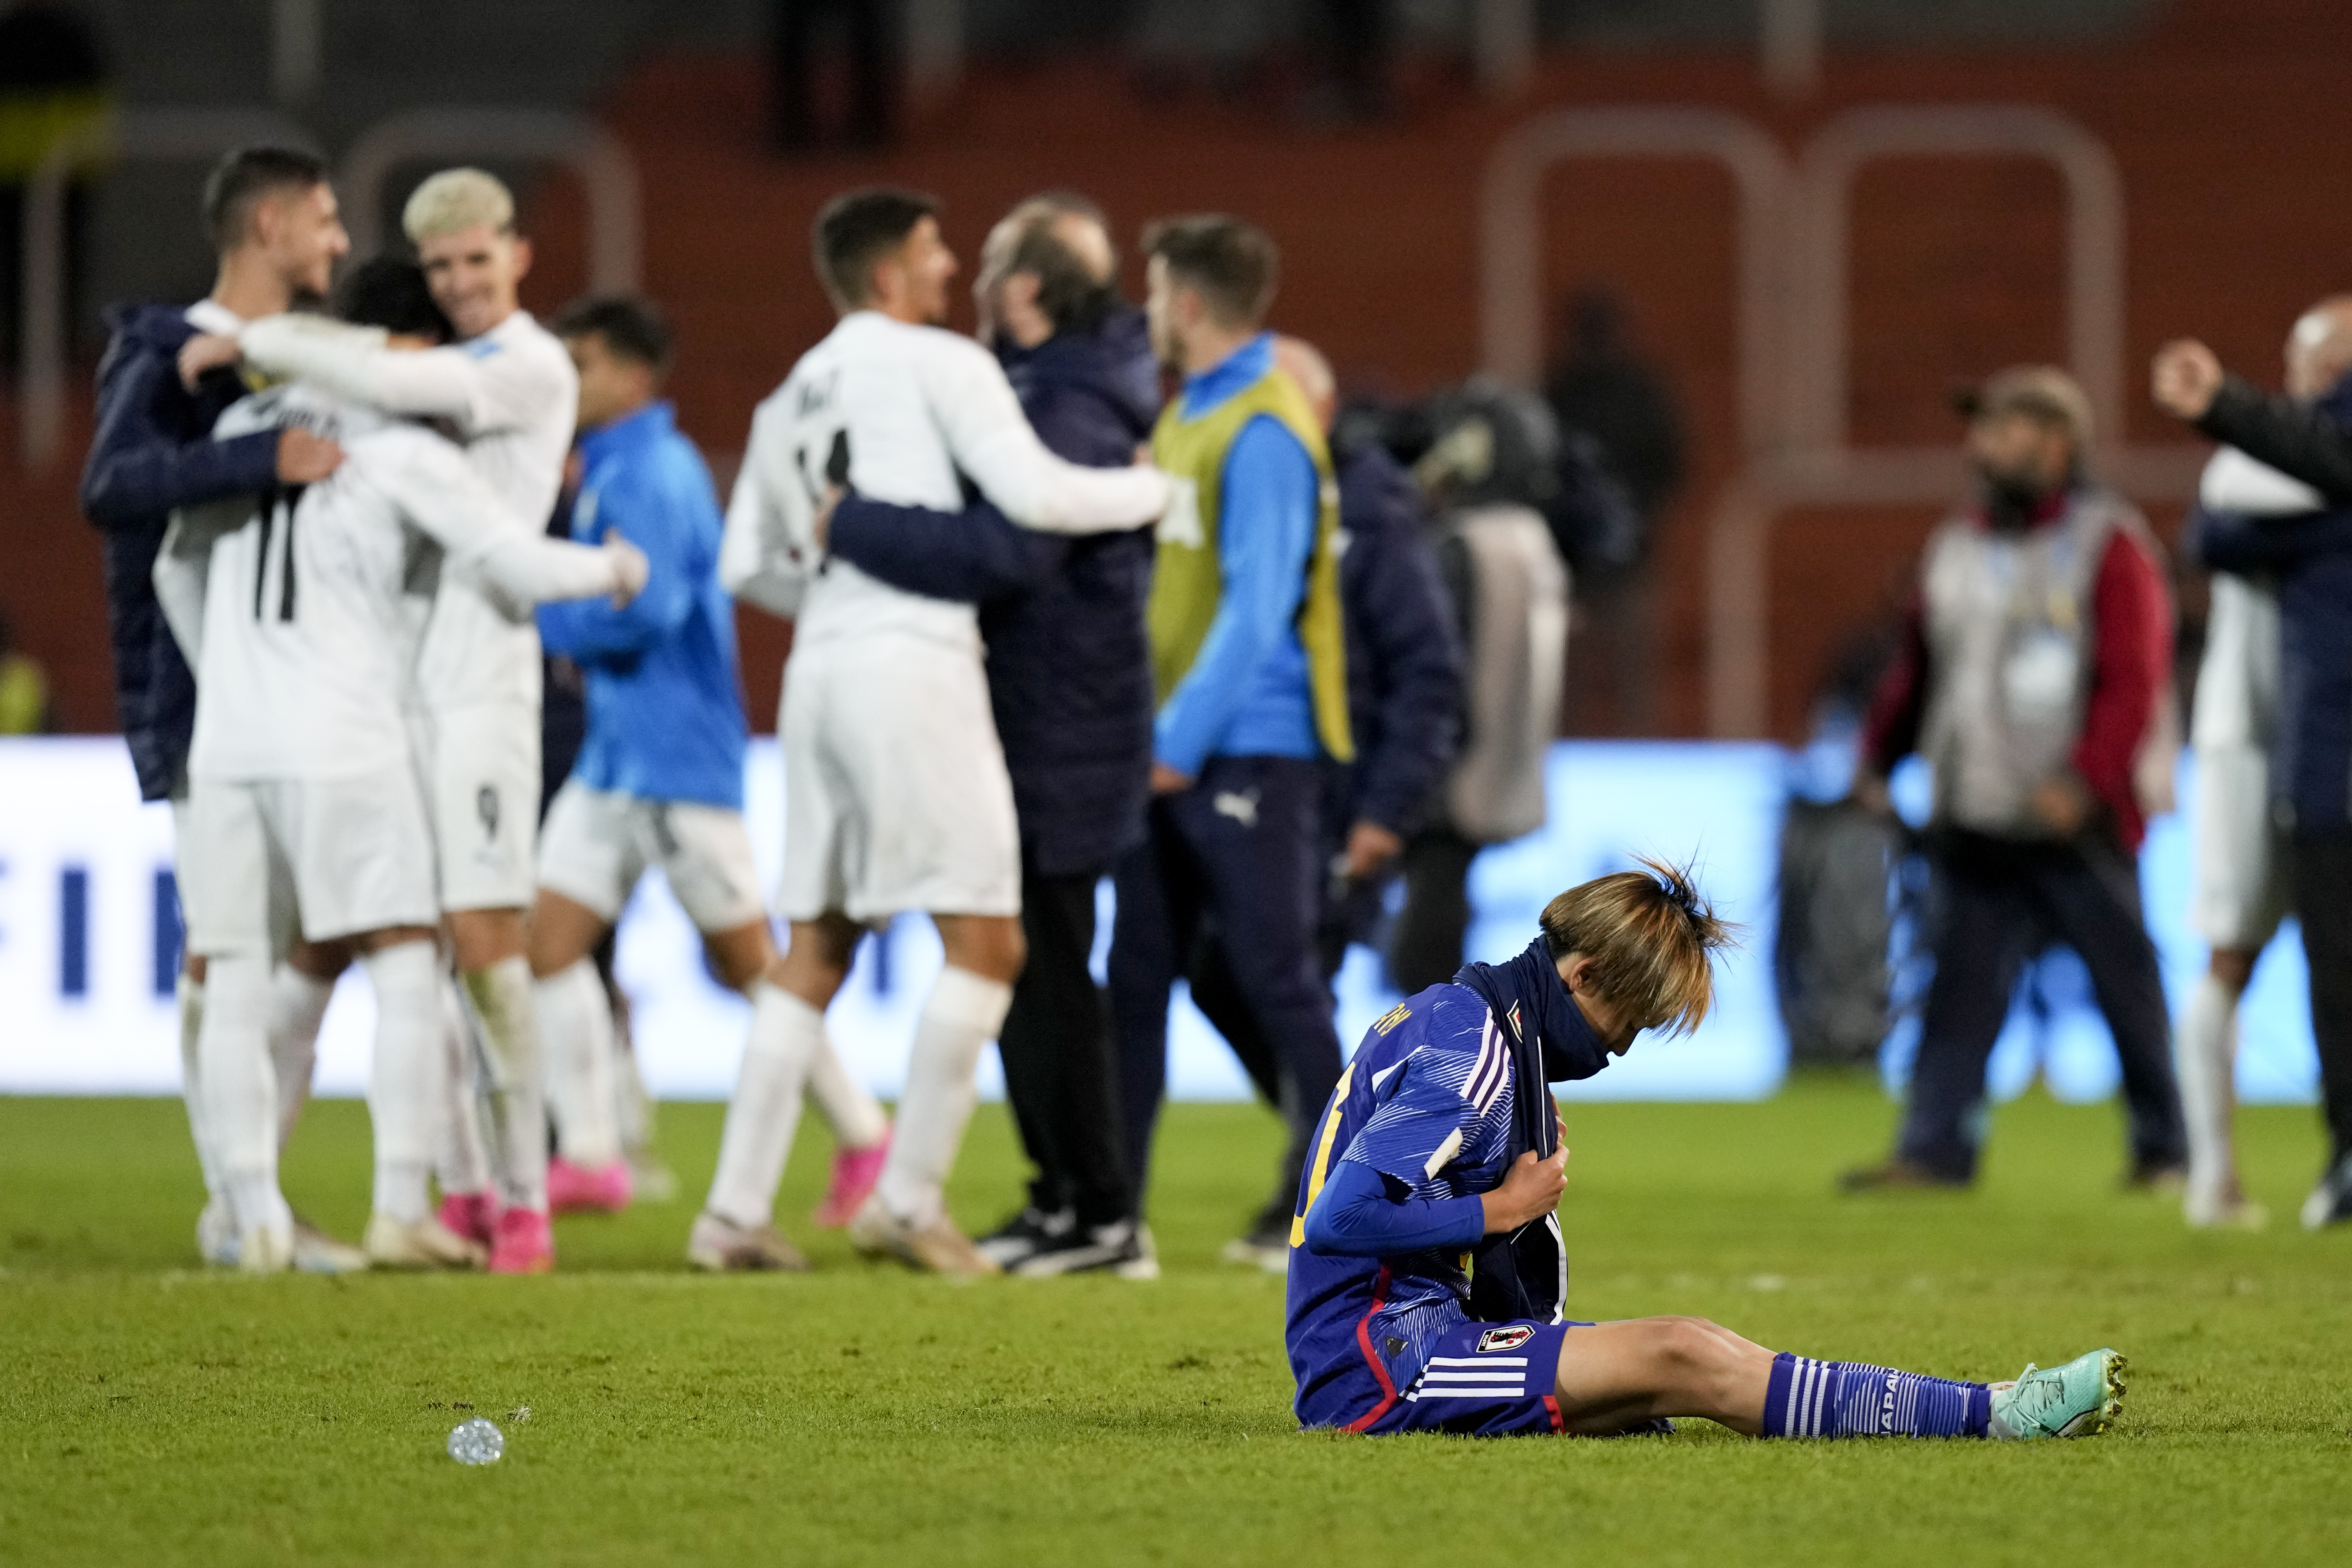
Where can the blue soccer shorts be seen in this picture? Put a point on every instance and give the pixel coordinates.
(1484, 1380)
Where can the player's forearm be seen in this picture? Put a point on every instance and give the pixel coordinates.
(1040, 491)
(533, 569)
(353, 363)
(2298, 440)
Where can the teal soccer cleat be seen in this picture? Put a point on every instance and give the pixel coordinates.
(2081, 1399)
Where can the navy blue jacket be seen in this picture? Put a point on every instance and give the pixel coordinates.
(1404, 653)
(2310, 558)
(153, 451)
(1069, 669)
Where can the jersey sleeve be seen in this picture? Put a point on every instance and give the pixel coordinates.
(482, 386)
(759, 561)
(437, 492)
(991, 441)
(1420, 1120)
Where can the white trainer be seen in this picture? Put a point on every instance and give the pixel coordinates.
(419, 1244)
(316, 1252)
(266, 1249)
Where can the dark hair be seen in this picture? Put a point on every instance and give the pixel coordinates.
(858, 228)
(389, 291)
(241, 180)
(631, 327)
(1069, 295)
(1232, 265)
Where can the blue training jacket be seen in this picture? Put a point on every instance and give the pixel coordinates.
(152, 451)
(665, 714)
(1069, 668)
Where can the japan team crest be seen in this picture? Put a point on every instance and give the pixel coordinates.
(1505, 1339)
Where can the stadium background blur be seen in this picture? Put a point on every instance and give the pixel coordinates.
(2068, 182)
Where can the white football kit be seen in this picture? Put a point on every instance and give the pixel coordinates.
(509, 396)
(305, 810)
(2240, 883)
(896, 792)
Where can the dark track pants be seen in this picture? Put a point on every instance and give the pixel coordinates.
(1056, 1055)
(1241, 844)
(2323, 903)
(2001, 904)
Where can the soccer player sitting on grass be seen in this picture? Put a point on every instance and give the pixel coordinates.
(1426, 1271)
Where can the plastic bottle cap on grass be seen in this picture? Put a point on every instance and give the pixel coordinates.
(477, 1442)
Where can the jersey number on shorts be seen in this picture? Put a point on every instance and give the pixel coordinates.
(281, 504)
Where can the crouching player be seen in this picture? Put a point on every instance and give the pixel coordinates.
(1426, 1271)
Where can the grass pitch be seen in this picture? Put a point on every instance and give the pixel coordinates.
(155, 1413)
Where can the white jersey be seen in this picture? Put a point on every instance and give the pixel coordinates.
(302, 658)
(511, 396)
(899, 414)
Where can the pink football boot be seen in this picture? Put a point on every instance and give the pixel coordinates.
(525, 1244)
(854, 1172)
(587, 1189)
(474, 1216)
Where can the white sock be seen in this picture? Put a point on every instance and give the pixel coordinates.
(961, 1015)
(190, 993)
(404, 1080)
(239, 1095)
(297, 1005)
(856, 1118)
(575, 1029)
(516, 1095)
(2205, 1051)
(786, 1033)
(460, 1160)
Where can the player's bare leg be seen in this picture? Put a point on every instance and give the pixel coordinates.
(907, 1217)
(788, 1003)
(491, 947)
(1619, 1376)
(861, 1129)
(2205, 1048)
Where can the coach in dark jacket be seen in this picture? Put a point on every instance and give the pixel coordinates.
(1404, 708)
(273, 223)
(1069, 675)
(2310, 557)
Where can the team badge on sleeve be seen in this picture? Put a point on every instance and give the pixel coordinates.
(1509, 1338)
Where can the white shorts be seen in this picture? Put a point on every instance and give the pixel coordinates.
(2239, 887)
(597, 843)
(895, 795)
(263, 863)
(481, 770)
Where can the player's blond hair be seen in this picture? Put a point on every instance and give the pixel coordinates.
(457, 199)
(1652, 937)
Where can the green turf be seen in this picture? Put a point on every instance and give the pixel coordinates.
(152, 1413)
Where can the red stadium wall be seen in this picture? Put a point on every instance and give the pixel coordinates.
(2224, 121)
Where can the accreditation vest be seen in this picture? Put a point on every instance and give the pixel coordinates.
(1186, 583)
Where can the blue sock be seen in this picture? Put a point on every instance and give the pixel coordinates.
(1853, 1399)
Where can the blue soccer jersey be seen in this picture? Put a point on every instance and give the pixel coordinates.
(1427, 1109)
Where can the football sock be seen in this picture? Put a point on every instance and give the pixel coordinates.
(503, 1002)
(404, 1080)
(460, 1160)
(2205, 1050)
(298, 1005)
(1810, 1398)
(786, 1033)
(961, 1016)
(856, 1117)
(190, 994)
(575, 1029)
(239, 1098)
